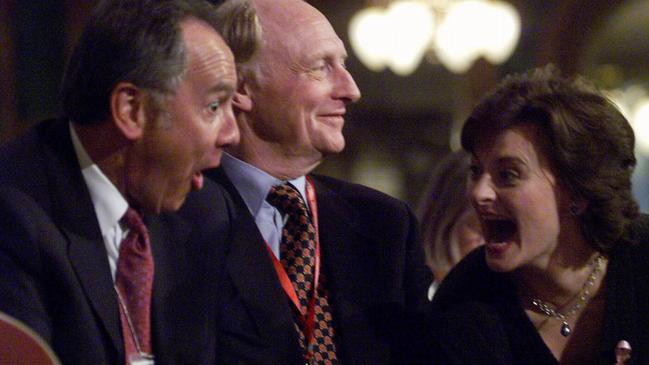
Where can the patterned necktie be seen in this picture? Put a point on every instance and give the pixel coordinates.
(297, 252)
(133, 282)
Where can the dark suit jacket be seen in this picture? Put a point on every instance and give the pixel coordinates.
(375, 275)
(476, 315)
(54, 272)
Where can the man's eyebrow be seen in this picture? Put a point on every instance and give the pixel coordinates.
(221, 87)
(325, 54)
(312, 57)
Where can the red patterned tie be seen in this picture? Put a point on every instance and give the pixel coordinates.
(133, 282)
(297, 252)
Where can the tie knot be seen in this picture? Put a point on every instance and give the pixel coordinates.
(132, 220)
(287, 199)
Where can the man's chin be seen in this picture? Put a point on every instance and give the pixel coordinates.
(173, 206)
(333, 147)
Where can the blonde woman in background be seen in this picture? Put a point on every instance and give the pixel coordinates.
(449, 226)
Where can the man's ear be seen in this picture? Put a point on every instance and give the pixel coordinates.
(128, 110)
(242, 100)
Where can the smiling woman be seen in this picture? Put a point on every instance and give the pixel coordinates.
(561, 278)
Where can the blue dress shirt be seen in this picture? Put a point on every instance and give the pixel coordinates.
(253, 185)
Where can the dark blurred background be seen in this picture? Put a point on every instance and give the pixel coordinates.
(403, 125)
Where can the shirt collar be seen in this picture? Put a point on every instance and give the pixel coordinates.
(109, 203)
(253, 183)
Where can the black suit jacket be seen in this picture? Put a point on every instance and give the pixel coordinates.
(54, 272)
(476, 317)
(375, 275)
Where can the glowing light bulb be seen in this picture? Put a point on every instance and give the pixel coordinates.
(399, 36)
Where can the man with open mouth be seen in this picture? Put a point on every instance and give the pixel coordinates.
(92, 256)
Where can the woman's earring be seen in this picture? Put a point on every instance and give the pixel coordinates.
(574, 209)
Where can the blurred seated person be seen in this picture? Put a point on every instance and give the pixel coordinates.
(449, 225)
(563, 276)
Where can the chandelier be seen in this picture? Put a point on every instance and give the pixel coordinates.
(454, 33)
(633, 102)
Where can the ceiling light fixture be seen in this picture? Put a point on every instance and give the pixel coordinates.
(456, 32)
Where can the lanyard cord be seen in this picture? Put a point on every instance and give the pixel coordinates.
(306, 317)
(130, 325)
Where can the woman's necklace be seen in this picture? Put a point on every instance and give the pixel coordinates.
(552, 311)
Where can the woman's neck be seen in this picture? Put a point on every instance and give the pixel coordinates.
(563, 277)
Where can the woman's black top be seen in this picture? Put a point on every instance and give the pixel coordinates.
(476, 317)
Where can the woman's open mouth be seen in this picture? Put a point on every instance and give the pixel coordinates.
(499, 233)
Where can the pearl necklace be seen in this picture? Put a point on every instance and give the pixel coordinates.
(552, 311)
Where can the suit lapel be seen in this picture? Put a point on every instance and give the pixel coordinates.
(74, 213)
(252, 273)
(349, 279)
(169, 246)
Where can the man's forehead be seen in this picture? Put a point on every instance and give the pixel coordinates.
(282, 9)
(288, 15)
(207, 51)
(196, 33)
(295, 26)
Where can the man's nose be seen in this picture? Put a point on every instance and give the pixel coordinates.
(346, 87)
(229, 133)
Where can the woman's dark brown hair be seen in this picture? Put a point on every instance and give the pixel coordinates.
(590, 143)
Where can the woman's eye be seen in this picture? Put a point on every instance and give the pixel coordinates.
(474, 172)
(509, 176)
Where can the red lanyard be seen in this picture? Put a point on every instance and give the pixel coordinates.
(306, 318)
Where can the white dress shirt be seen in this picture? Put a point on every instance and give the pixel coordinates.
(253, 185)
(109, 203)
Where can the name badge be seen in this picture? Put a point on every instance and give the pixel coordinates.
(141, 360)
